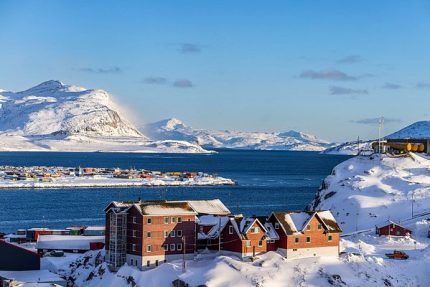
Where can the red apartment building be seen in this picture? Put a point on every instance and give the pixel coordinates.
(147, 233)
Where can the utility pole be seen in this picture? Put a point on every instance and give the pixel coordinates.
(358, 145)
(380, 126)
(219, 234)
(183, 254)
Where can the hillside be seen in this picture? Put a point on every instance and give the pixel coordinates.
(416, 130)
(368, 190)
(53, 116)
(174, 129)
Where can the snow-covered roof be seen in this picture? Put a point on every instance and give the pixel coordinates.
(271, 233)
(67, 242)
(31, 276)
(294, 222)
(218, 223)
(213, 206)
(164, 208)
(388, 222)
(95, 228)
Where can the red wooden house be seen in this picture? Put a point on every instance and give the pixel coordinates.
(306, 234)
(391, 228)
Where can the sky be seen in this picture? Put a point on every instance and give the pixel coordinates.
(329, 68)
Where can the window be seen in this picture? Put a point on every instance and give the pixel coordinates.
(172, 247)
(166, 234)
(179, 246)
(188, 219)
(179, 219)
(131, 262)
(319, 226)
(166, 220)
(276, 225)
(308, 239)
(166, 247)
(148, 263)
(330, 238)
(201, 228)
(294, 249)
(230, 230)
(134, 219)
(179, 233)
(172, 233)
(260, 243)
(148, 248)
(149, 220)
(148, 234)
(156, 262)
(134, 233)
(248, 243)
(255, 229)
(133, 247)
(173, 220)
(296, 240)
(308, 227)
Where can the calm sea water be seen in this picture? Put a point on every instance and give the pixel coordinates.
(267, 180)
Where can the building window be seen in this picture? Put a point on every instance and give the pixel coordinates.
(179, 219)
(166, 233)
(294, 249)
(172, 247)
(166, 247)
(230, 230)
(189, 219)
(172, 233)
(276, 225)
(296, 240)
(179, 246)
(173, 220)
(134, 233)
(319, 226)
(166, 220)
(148, 234)
(148, 263)
(149, 220)
(308, 227)
(330, 238)
(131, 262)
(248, 243)
(148, 248)
(260, 243)
(179, 233)
(255, 230)
(134, 219)
(133, 247)
(156, 262)
(308, 239)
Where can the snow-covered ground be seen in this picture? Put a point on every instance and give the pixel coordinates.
(350, 148)
(56, 117)
(365, 191)
(109, 181)
(174, 129)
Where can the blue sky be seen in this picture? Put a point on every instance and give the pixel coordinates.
(324, 67)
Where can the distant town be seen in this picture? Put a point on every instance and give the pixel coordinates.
(57, 176)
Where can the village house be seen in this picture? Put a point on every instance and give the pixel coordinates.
(147, 233)
(16, 258)
(233, 235)
(305, 234)
(390, 228)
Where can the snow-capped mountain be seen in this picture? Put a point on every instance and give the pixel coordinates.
(417, 130)
(58, 117)
(174, 129)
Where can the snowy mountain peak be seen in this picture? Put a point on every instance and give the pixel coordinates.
(419, 129)
(174, 129)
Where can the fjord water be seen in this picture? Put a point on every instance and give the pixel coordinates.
(267, 181)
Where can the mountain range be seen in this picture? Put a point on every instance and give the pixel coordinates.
(174, 129)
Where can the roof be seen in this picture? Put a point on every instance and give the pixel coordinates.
(95, 228)
(214, 207)
(164, 208)
(296, 221)
(32, 276)
(67, 242)
(271, 233)
(218, 224)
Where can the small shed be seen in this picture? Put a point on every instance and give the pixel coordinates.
(391, 228)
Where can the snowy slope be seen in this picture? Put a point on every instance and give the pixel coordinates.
(174, 129)
(420, 130)
(368, 190)
(349, 148)
(56, 117)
